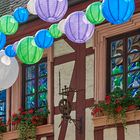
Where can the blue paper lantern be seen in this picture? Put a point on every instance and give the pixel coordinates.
(43, 39)
(2, 40)
(21, 14)
(9, 51)
(118, 11)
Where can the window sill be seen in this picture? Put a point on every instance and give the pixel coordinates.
(131, 116)
(41, 130)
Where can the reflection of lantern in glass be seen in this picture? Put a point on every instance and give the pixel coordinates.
(9, 25)
(118, 11)
(44, 39)
(2, 40)
(28, 52)
(94, 13)
(51, 10)
(9, 51)
(8, 71)
(77, 27)
(21, 14)
(54, 31)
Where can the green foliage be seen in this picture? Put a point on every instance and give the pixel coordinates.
(116, 105)
(27, 121)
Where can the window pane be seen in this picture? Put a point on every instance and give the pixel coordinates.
(117, 48)
(42, 84)
(42, 70)
(117, 65)
(134, 44)
(133, 79)
(134, 91)
(30, 102)
(134, 61)
(30, 72)
(42, 99)
(116, 81)
(2, 108)
(3, 95)
(30, 87)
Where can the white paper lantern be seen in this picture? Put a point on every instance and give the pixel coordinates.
(61, 25)
(9, 70)
(31, 7)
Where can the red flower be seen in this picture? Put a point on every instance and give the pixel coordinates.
(31, 111)
(20, 109)
(108, 99)
(24, 113)
(13, 123)
(14, 115)
(119, 109)
(117, 101)
(131, 107)
(95, 111)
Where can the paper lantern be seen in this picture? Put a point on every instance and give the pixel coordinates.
(2, 40)
(55, 32)
(28, 52)
(31, 7)
(8, 24)
(9, 51)
(61, 25)
(21, 14)
(51, 10)
(43, 39)
(94, 13)
(118, 11)
(77, 27)
(8, 72)
(15, 46)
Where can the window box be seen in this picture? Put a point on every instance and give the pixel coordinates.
(131, 116)
(40, 130)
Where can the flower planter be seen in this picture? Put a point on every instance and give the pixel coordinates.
(40, 130)
(131, 116)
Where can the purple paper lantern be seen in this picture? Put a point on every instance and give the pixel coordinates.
(77, 27)
(51, 10)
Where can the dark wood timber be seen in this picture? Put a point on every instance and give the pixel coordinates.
(120, 133)
(98, 134)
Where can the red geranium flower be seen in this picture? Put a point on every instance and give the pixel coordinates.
(108, 99)
(20, 109)
(119, 109)
(31, 111)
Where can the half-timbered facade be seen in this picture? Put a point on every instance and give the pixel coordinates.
(84, 70)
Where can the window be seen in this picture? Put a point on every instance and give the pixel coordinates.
(3, 105)
(35, 85)
(123, 58)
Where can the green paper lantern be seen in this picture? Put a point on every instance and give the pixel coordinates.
(8, 25)
(54, 31)
(28, 52)
(94, 13)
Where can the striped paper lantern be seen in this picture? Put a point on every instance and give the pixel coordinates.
(9, 51)
(44, 39)
(118, 11)
(2, 40)
(8, 24)
(94, 13)
(28, 52)
(51, 10)
(21, 14)
(54, 31)
(77, 27)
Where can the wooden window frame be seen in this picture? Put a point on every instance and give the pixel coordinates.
(125, 55)
(36, 83)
